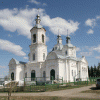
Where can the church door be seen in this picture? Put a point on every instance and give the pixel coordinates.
(12, 76)
(33, 75)
(52, 74)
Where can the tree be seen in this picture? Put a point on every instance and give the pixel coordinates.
(91, 71)
(94, 71)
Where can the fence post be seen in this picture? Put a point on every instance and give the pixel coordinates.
(30, 88)
(93, 79)
(45, 86)
(24, 85)
(87, 80)
(74, 80)
(36, 80)
(62, 80)
(52, 79)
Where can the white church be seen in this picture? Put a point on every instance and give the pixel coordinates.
(61, 62)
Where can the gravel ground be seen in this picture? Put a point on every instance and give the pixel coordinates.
(62, 93)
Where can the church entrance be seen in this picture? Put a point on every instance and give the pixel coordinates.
(52, 74)
(12, 76)
(33, 75)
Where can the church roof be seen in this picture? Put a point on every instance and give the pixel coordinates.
(19, 62)
(58, 47)
(68, 57)
(54, 55)
(69, 45)
(38, 26)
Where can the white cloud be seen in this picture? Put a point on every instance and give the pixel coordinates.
(90, 22)
(59, 23)
(97, 48)
(11, 47)
(97, 17)
(78, 49)
(85, 53)
(18, 20)
(25, 57)
(90, 31)
(34, 1)
(23, 20)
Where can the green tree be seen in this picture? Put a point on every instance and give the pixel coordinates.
(91, 71)
(94, 71)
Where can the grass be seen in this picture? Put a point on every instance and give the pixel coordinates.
(47, 87)
(28, 89)
(42, 98)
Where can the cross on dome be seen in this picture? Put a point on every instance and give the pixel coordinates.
(38, 18)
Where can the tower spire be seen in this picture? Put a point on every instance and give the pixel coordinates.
(59, 40)
(38, 18)
(67, 38)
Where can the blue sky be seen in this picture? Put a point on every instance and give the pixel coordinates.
(80, 17)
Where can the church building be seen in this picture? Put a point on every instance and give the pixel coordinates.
(60, 63)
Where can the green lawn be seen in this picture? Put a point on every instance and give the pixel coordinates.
(42, 88)
(47, 87)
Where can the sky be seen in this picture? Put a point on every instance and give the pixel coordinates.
(78, 18)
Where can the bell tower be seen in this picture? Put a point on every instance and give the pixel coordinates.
(38, 48)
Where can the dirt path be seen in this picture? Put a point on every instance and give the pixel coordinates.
(62, 93)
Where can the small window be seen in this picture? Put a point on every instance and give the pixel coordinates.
(42, 38)
(72, 72)
(34, 38)
(66, 52)
(43, 56)
(55, 48)
(34, 56)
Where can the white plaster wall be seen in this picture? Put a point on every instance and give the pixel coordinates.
(62, 70)
(33, 66)
(38, 33)
(65, 48)
(12, 68)
(84, 68)
(51, 64)
(38, 49)
(19, 72)
(72, 52)
(73, 67)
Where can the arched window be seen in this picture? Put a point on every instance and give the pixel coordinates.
(66, 52)
(34, 56)
(42, 38)
(12, 75)
(52, 74)
(34, 38)
(33, 75)
(43, 56)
